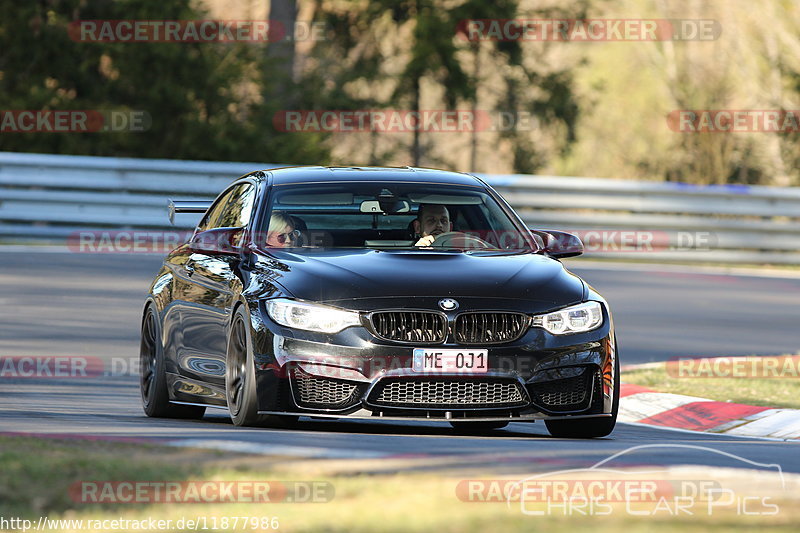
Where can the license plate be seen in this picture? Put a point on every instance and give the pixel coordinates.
(450, 361)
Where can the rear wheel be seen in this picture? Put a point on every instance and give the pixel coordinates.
(478, 426)
(587, 428)
(240, 379)
(152, 374)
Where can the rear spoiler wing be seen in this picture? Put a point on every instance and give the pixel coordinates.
(186, 206)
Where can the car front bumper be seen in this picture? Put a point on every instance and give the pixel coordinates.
(352, 374)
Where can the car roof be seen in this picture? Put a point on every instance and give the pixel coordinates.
(311, 174)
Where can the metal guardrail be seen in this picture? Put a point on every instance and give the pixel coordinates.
(685, 222)
(48, 197)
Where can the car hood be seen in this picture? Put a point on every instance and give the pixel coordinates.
(346, 275)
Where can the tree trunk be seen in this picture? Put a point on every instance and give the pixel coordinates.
(473, 145)
(415, 148)
(282, 16)
(780, 177)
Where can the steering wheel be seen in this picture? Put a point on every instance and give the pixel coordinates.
(456, 239)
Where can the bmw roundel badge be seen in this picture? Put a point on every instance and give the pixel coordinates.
(448, 304)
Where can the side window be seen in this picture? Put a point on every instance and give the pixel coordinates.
(212, 216)
(240, 205)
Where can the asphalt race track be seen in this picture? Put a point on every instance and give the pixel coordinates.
(64, 304)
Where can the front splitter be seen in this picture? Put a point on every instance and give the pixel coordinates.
(368, 415)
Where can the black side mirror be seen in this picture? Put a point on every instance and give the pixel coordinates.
(560, 244)
(218, 241)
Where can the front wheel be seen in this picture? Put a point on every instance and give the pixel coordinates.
(240, 379)
(588, 428)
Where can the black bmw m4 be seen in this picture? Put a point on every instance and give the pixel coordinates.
(377, 293)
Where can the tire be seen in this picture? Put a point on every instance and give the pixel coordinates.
(240, 379)
(588, 428)
(152, 374)
(478, 427)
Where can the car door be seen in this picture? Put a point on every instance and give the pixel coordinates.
(211, 283)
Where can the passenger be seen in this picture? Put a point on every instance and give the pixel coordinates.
(432, 220)
(281, 232)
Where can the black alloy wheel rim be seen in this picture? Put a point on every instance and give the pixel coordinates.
(236, 368)
(147, 358)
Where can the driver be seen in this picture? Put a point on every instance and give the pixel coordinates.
(432, 220)
(281, 232)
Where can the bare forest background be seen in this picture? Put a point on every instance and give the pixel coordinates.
(567, 108)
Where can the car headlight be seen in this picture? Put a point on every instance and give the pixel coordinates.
(574, 319)
(312, 317)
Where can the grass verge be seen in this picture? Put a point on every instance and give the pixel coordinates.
(37, 475)
(771, 381)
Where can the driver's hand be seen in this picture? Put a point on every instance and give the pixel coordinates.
(426, 241)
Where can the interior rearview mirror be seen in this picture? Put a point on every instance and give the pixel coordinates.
(385, 207)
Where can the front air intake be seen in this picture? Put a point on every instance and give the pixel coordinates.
(313, 391)
(567, 394)
(448, 393)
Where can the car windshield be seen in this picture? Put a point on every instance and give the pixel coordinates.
(389, 215)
